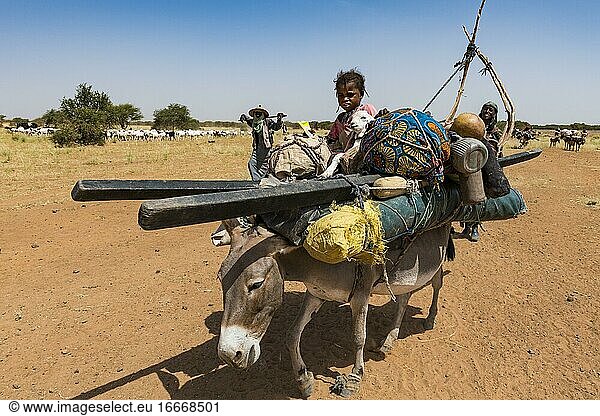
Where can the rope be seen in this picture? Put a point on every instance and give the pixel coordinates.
(357, 276)
(460, 65)
(357, 191)
(387, 282)
(410, 230)
(441, 88)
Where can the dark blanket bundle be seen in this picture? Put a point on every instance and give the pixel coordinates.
(495, 183)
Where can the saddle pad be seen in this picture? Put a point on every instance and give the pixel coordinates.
(408, 143)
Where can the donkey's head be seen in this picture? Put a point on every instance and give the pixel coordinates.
(252, 290)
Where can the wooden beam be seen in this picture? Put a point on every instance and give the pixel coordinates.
(519, 157)
(197, 209)
(114, 189)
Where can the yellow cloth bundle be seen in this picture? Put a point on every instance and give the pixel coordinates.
(349, 232)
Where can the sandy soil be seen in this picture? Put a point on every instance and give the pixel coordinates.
(94, 307)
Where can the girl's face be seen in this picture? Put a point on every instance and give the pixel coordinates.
(348, 96)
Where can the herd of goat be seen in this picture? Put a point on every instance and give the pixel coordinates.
(573, 139)
(135, 134)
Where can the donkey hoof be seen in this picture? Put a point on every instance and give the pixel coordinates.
(306, 384)
(386, 347)
(428, 323)
(388, 342)
(346, 386)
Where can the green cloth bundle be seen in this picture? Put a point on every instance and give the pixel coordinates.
(408, 215)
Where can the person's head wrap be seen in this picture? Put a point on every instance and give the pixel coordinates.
(491, 104)
(494, 120)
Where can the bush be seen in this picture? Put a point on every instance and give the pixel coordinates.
(82, 119)
(63, 137)
(85, 134)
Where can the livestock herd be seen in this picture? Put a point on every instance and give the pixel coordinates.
(157, 135)
(573, 139)
(32, 131)
(135, 134)
(524, 136)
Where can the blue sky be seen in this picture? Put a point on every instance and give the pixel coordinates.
(221, 58)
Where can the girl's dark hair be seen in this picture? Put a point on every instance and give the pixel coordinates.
(352, 76)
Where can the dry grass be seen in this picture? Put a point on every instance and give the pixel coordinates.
(33, 171)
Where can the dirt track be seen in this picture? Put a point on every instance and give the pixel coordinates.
(94, 307)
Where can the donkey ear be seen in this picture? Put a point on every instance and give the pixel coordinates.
(223, 235)
(230, 224)
(285, 251)
(220, 237)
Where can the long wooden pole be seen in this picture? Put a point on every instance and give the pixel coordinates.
(196, 209)
(508, 104)
(118, 189)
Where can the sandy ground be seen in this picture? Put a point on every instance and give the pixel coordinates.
(94, 307)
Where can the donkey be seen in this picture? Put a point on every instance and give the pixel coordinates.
(554, 140)
(252, 277)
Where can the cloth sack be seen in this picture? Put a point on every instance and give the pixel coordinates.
(407, 143)
(348, 232)
(299, 157)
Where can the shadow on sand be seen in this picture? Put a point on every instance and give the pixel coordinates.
(326, 343)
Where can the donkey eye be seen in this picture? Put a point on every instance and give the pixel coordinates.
(255, 285)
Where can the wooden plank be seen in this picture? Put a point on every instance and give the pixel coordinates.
(114, 189)
(197, 209)
(519, 157)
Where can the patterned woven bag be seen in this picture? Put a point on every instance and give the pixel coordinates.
(408, 143)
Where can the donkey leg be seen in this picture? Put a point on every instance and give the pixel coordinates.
(386, 344)
(304, 378)
(436, 283)
(359, 304)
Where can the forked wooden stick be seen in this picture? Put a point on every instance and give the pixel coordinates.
(466, 62)
(508, 104)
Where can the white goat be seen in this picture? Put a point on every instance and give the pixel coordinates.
(358, 123)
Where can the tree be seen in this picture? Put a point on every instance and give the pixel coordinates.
(519, 124)
(21, 122)
(174, 117)
(2, 117)
(124, 114)
(51, 117)
(84, 118)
